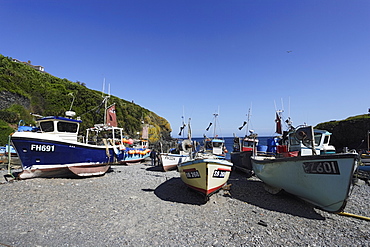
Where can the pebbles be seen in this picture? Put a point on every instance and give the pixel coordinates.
(139, 205)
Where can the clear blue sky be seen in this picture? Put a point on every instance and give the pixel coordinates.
(202, 57)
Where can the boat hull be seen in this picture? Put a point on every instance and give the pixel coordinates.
(127, 158)
(65, 171)
(242, 161)
(46, 157)
(323, 180)
(206, 176)
(170, 161)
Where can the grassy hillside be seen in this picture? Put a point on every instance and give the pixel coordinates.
(24, 90)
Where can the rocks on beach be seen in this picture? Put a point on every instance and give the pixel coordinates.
(139, 205)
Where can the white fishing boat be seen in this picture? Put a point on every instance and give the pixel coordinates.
(180, 154)
(170, 160)
(205, 173)
(320, 177)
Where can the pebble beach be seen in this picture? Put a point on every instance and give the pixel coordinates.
(139, 205)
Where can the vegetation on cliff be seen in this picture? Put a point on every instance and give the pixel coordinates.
(24, 90)
(351, 132)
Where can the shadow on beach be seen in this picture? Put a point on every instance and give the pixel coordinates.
(174, 190)
(252, 192)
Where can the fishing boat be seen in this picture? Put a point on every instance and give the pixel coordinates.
(215, 145)
(205, 173)
(133, 151)
(365, 156)
(243, 149)
(180, 153)
(175, 156)
(54, 149)
(4, 151)
(320, 177)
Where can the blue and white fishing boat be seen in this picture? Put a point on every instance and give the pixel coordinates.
(4, 151)
(54, 149)
(322, 178)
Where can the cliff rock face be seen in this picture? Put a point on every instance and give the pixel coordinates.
(351, 132)
(8, 99)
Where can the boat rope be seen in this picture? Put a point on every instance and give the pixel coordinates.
(354, 215)
(106, 148)
(5, 245)
(97, 107)
(9, 159)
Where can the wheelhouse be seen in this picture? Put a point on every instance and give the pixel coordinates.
(321, 143)
(65, 128)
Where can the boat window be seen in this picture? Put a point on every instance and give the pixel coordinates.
(317, 139)
(248, 143)
(326, 140)
(117, 134)
(217, 144)
(293, 141)
(67, 127)
(47, 126)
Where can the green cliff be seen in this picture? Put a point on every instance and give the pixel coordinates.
(351, 132)
(25, 90)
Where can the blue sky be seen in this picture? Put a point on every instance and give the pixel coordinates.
(197, 58)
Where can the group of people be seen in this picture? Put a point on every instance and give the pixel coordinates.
(154, 156)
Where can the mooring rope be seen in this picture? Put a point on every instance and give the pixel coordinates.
(354, 215)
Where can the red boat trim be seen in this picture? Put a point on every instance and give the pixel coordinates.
(213, 190)
(224, 169)
(206, 192)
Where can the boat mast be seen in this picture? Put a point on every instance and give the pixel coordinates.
(248, 117)
(105, 100)
(214, 127)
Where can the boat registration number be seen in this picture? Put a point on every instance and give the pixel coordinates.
(192, 174)
(324, 167)
(219, 174)
(42, 148)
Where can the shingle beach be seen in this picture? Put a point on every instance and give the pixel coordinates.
(139, 205)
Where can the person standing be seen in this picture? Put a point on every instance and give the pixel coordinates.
(153, 156)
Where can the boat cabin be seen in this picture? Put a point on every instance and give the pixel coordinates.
(249, 143)
(141, 143)
(65, 128)
(215, 146)
(321, 143)
(100, 134)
